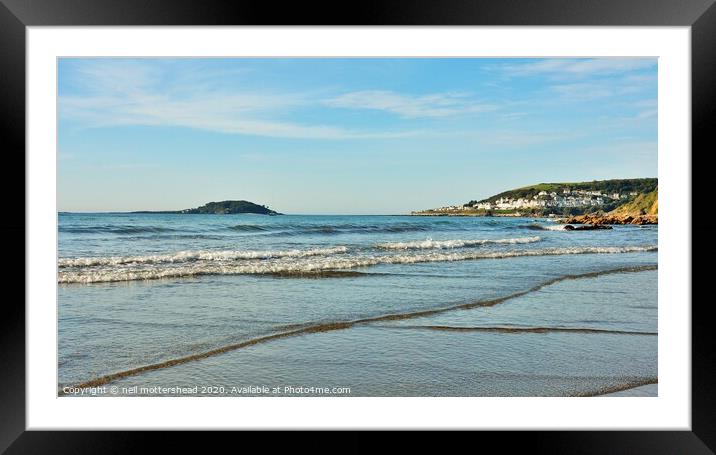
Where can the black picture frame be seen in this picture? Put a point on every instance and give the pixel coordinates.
(16, 15)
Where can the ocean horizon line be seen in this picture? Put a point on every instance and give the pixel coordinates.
(171, 212)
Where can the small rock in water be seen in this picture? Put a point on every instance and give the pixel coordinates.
(586, 227)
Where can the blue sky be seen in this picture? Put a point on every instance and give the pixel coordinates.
(345, 136)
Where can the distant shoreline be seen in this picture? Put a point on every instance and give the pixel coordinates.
(473, 214)
(174, 212)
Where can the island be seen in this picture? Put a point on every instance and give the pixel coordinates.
(599, 202)
(224, 208)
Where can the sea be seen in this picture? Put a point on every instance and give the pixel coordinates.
(293, 305)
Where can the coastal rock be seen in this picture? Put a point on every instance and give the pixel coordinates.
(604, 220)
(586, 227)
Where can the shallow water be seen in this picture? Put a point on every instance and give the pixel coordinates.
(235, 278)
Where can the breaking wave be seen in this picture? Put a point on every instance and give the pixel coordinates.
(291, 262)
(355, 228)
(193, 256)
(544, 227)
(440, 244)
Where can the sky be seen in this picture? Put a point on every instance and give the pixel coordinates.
(345, 136)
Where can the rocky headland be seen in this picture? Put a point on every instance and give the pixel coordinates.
(609, 219)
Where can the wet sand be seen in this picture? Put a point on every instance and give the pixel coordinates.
(649, 390)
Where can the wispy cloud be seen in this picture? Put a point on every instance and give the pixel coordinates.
(231, 114)
(583, 91)
(513, 115)
(649, 113)
(649, 108)
(198, 96)
(603, 88)
(410, 106)
(505, 138)
(579, 67)
(130, 93)
(125, 166)
(634, 150)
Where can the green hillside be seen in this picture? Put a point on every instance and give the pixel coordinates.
(643, 204)
(618, 196)
(621, 186)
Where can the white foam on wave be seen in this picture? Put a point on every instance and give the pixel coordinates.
(192, 256)
(312, 264)
(554, 227)
(443, 244)
(545, 227)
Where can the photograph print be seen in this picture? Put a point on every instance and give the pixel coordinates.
(357, 227)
